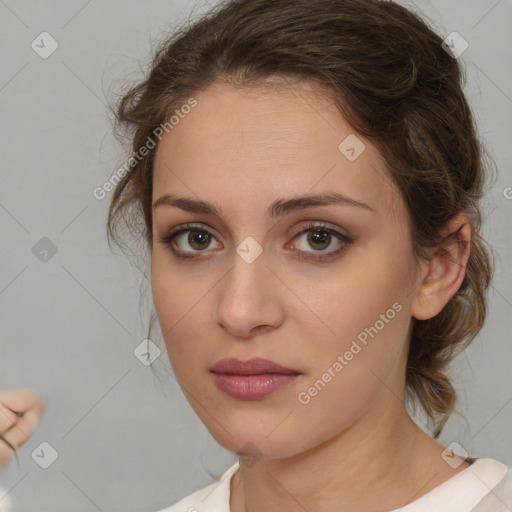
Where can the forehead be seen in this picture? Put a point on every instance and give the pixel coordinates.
(266, 142)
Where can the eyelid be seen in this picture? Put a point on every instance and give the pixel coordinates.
(199, 226)
(320, 224)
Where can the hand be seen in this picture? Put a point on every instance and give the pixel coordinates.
(20, 412)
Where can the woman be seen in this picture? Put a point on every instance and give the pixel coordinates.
(311, 208)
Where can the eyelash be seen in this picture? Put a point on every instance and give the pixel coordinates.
(311, 226)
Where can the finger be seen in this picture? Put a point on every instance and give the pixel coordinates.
(20, 412)
(19, 430)
(21, 400)
(6, 452)
(7, 418)
(15, 437)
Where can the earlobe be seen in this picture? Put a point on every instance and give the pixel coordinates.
(445, 271)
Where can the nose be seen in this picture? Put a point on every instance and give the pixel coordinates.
(249, 298)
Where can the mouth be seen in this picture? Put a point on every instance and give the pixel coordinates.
(252, 380)
(254, 366)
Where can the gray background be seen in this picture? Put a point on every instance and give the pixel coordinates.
(126, 441)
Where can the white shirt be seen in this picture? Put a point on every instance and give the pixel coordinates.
(5, 501)
(485, 486)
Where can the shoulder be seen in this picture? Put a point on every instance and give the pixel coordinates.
(493, 479)
(501, 495)
(212, 498)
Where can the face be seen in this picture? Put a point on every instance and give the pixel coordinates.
(324, 290)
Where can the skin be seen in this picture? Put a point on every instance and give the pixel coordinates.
(353, 446)
(15, 429)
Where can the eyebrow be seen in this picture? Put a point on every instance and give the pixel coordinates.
(278, 208)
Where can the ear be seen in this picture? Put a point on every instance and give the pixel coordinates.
(445, 271)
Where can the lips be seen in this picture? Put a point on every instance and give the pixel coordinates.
(255, 379)
(255, 366)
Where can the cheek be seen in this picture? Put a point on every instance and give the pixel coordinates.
(182, 307)
(172, 303)
(360, 369)
(367, 311)
(174, 295)
(370, 338)
(164, 299)
(362, 298)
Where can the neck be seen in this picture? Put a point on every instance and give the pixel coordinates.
(382, 461)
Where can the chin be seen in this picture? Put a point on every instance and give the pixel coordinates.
(248, 441)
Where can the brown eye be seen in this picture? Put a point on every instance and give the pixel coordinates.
(198, 240)
(318, 238)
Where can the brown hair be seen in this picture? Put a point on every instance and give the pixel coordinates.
(394, 83)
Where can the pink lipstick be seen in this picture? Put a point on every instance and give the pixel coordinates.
(254, 379)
